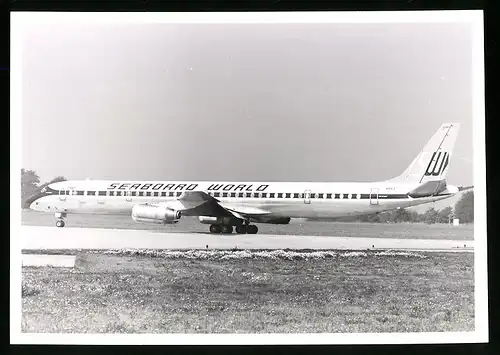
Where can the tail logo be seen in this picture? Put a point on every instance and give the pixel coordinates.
(441, 161)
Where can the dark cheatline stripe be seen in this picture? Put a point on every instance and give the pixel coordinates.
(393, 196)
(50, 191)
(385, 196)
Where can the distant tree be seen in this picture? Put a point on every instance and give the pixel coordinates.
(415, 216)
(56, 179)
(374, 218)
(400, 215)
(384, 217)
(431, 216)
(445, 214)
(29, 184)
(464, 208)
(364, 218)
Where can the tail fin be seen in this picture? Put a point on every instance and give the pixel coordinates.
(432, 163)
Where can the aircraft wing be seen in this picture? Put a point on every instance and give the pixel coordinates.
(464, 188)
(199, 203)
(244, 212)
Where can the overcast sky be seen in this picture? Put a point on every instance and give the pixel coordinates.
(282, 102)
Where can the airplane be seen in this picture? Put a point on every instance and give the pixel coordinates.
(225, 205)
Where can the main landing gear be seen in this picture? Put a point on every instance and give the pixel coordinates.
(228, 229)
(59, 219)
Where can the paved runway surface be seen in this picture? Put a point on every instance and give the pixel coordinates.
(85, 238)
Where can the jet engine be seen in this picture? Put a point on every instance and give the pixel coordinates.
(155, 214)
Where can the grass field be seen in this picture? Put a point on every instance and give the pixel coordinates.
(251, 292)
(297, 227)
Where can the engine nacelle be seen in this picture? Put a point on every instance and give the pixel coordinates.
(208, 220)
(220, 220)
(155, 214)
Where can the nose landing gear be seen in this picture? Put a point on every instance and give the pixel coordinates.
(59, 219)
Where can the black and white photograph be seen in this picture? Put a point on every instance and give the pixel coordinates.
(248, 178)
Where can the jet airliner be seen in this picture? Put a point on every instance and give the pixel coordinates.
(226, 206)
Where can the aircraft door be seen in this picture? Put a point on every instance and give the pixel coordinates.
(374, 196)
(62, 194)
(307, 196)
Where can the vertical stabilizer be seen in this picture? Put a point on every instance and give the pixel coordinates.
(433, 161)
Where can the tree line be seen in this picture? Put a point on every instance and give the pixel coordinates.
(464, 208)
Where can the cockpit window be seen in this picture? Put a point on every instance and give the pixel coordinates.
(44, 190)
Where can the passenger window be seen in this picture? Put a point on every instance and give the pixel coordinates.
(313, 195)
(288, 195)
(271, 195)
(354, 196)
(249, 194)
(216, 194)
(111, 193)
(102, 193)
(155, 193)
(118, 193)
(346, 195)
(141, 193)
(328, 195)
(264, 195)
(240, 194)
(148, 193)
(256, 194)
(90, 193)
(79, 193)
(163, 194)
(133, 193)
(179, 193)
(295, 195)
(337, 195)
(171, 194)
(224, 194)
(280, 195)
(233, 194)
(320, 195)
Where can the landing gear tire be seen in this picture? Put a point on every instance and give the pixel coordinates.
(60, 223)
(241, 229)
(226, 229)
(216, 229)
(252, 229)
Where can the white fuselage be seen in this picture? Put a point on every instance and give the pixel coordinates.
(294, 200)
(228, 204)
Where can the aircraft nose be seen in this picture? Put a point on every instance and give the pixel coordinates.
(32, 201)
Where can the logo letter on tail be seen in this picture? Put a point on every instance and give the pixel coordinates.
(444, 162)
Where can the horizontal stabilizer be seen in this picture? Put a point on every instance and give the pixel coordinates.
(429, 188)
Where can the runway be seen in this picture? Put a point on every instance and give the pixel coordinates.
(46, 238)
